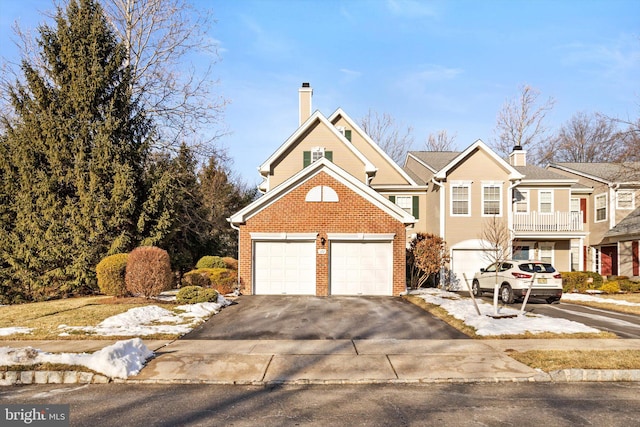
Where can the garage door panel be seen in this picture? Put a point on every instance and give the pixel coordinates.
(284, 268)
(467, 261)
(359, 268)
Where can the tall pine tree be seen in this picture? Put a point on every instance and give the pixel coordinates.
(73, 155)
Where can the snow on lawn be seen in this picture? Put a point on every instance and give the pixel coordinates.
(123, 358)
(119, 360)
(592, 298)
(14, 330)
(151, 319)
(463, 309)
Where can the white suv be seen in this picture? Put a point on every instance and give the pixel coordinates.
(514, 278)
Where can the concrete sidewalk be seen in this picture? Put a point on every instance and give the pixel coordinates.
(266, 362)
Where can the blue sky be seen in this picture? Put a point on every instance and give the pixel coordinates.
(432, 65)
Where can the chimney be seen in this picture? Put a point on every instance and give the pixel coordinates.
(305, 93)
(518, 156)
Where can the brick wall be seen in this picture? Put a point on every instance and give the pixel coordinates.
(352, 214)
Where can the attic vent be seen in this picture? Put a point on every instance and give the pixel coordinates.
(321, 193)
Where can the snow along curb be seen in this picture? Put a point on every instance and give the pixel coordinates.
(51, 377)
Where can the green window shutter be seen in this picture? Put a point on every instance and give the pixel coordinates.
(416, 207)
(306, 158)
(328, 155)
(347, 134)
(392, 199)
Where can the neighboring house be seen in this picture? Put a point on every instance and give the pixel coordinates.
(613, 215)
(325, 224)
(469, 190)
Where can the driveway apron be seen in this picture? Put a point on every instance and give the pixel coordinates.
(258, 317)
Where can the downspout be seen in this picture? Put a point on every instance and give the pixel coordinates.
(238, 230)
(442, 225)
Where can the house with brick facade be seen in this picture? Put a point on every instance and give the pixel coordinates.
(325, 224)
(612, 215)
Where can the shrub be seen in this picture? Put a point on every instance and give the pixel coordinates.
(232, 263)
(211, 262)
(222, 279)
(195, 295)
(111, 273)
(629, 285)
(148, 271)
(579, 281)
(610, 287)
(196, 278)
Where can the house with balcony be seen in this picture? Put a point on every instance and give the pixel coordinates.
(611, 214)
(471, 191)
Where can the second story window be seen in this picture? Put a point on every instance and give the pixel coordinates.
(491, 199)
(601, 207)
(545, 202)
(521, 201)
(460, 199)
(624, 199)
(316, 153)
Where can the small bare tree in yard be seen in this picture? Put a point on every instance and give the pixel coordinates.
(496, 238)
(429, 255)
(388, 134)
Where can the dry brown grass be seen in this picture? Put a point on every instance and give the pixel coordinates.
(634, 298)
(549, 360)
(45, 317)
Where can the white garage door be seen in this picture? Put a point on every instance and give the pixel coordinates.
(359, 268)
(467, 261)
(284, 268)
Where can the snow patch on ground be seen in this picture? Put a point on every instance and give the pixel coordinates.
(14, 330)
(485, 325)
(592, 298)
(120, 360)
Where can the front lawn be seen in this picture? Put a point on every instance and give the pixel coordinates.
(629, 298)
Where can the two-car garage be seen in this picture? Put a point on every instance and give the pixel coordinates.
(356, 266)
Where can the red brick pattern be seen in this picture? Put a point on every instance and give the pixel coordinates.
(352, 214)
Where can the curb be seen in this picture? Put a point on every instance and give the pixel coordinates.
(10, 378)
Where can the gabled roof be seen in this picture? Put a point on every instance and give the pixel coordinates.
(317, 116)
(536, 174)
(478, 145)
(607, 173)
(340, 175)
(434, 160)
(340, 113)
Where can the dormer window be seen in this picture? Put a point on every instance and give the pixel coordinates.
(315, 154)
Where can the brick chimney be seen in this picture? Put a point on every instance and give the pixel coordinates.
(305, 93)
(518, 156)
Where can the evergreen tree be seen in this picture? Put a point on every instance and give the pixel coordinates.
(73, 158)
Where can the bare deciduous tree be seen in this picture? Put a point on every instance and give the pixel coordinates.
(162, 38)
(585, 138)
(521, 123)
(440, 141)
(392, 137)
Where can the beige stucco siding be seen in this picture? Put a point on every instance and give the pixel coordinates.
(387, 174)
(318, 135)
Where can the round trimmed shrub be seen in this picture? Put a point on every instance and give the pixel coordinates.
(231, 263)
(222, 279)
(148, 271)
(196, 278)
(195, 295)
(211, 262)
(111, 273)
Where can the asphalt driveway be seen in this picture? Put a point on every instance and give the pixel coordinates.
(257, 317)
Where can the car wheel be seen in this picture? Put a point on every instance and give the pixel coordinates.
(506, 294)
(475, 289)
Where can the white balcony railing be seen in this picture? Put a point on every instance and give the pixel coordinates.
(550, 222)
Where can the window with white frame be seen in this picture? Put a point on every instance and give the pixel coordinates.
(521, 201)
(460, 199)
(601, 207)
(491, 200)
(545, 201)
(317, 153)
(575, 205)
(545, 252)
(405, 202)
(624, 199)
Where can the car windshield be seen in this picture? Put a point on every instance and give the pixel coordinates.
(537, 267)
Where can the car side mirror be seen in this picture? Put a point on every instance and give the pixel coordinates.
(482, 270)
